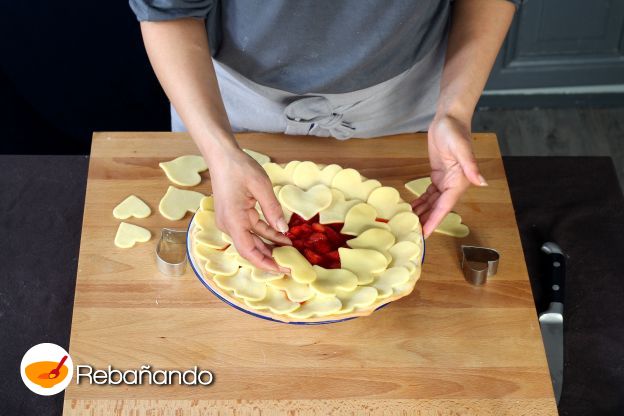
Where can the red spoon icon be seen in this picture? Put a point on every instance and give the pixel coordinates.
(54, 373)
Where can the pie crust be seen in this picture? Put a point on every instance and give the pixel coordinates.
(380, 264)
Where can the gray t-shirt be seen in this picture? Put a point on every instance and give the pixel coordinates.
(313, 46)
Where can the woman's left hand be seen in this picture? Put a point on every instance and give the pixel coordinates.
(453, 169)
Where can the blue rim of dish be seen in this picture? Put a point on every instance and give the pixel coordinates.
(257, 315)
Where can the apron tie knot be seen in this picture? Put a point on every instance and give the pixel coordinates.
(311, 115)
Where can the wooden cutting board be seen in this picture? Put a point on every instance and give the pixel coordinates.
(448, 348)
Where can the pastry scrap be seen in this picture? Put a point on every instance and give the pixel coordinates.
(451, 224)
(177, 202)
(184, 170)
(132, 206)
(262, 159)
(356, 245)
(128, 235)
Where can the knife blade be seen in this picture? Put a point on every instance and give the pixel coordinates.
(551, 320)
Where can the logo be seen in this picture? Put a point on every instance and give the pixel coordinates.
(47, 369)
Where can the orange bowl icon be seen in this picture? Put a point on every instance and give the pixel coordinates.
(40, 373)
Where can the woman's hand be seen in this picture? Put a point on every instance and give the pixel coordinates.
(238, 181)
(453, 169)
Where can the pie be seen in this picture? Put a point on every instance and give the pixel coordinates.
(356, 246)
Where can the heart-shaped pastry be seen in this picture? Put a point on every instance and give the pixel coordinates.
(387, 201)
(176, 202)
(132, 206)
(360, 218)
(300, 269)
(216, 261)
(280, 175)
(350, 182)
(386, 281)
(275, 300)
(308, 174)
(242, 285)
(329, 280)
(207, 203)
(319, 305)
(451, 225)
(184, 170)
(403, 225)
(361, 297)
(308, 203)
(297, 292)
(128, 235)
(207, 232)
(373, 239)
(404, 252)
(362, 262)
(261, 158)
(418, 186)
(337, 210)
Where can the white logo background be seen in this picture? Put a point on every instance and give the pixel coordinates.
(46, 352)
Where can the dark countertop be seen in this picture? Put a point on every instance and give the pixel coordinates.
(574, 201)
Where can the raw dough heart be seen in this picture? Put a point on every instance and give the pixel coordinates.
(184, 170)
(404, 224)
(305, 203)
(418, 186)
(132, 206)
(451, 225)
(275, 301)
(387, 201)
(300, 269)
(386, 281)
(362, 262)
(361, 297)
(280, 175)
(242, 285)
(337, 210)
(319, 305)
(217, 262)
(360, 218)
(260, 275)
(128, 235)
(308, 174)
(177, 202)
(297, 292)
(403, 252)
(349, 181)
(329, 280)
(373, 239)
(262, 159)
(207, 203)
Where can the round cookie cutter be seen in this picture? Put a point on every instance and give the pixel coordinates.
(171, 252)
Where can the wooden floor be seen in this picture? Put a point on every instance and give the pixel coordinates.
(558, 132)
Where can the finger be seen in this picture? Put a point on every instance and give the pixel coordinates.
(442, 206)
(427, 200)
(271, 209)
(265, 231)
(465, 156)
(247, 248)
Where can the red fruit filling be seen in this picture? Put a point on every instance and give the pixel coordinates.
(319, 243)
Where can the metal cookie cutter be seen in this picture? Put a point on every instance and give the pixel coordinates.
(171, 252)
(478, 263)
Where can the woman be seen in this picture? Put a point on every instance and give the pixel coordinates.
(341, 68)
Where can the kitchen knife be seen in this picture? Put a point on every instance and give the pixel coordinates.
(551, 320)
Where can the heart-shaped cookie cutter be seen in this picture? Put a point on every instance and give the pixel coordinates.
(478, 263)
(171, 252)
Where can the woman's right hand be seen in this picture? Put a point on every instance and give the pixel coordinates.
(238, 181)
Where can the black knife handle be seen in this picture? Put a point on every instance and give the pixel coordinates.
(557, 268)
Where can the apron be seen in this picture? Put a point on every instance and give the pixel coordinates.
(403, 104)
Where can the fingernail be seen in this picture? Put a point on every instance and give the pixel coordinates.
(282, 227)
(482, 181)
